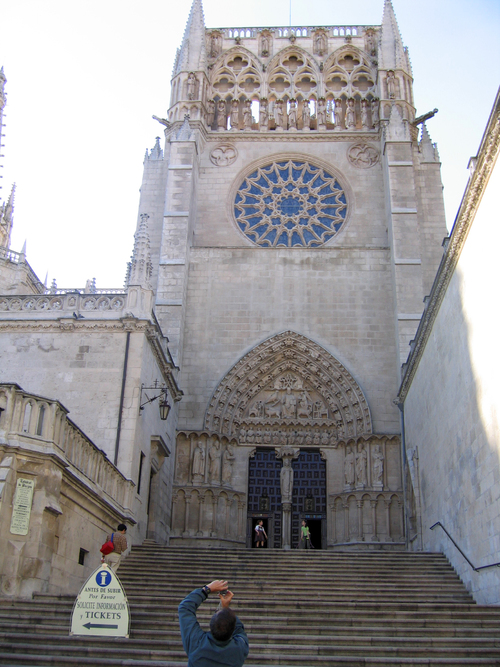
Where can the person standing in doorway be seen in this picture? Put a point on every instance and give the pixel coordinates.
(260, 534)
(305, 536)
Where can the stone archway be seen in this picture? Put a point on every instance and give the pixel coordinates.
(289, 390)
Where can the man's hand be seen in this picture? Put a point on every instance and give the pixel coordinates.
(225, 599)
(217, 586)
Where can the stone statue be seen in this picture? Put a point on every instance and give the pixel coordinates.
(227, 465)
(364, 114)
(286, 479)
(247, 115)
(321, 114)
(191, 86)
(304, 409)
(292, 115)
(361, 465)
(391, 85)
(378, 465)
(264, 45)
(338, 114)
(350, 115)
(306, 115)
(278, 114)
(319, 43)
(214, 45)
(263, 114)
(289, 405)
(375, 116)
(349, 467)
(234, 117)
(210, 113)
(198, 468)
(214, 468)
(273, 406)
(243, 435)
(370, 42)
(221, 116)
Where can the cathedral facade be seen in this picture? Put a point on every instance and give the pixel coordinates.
(290, 226)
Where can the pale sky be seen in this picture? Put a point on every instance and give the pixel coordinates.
(84, 79)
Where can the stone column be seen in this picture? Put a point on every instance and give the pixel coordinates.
(241, 507)
(286, 526)
(201, 501)
(186, 515)
(373, 504)
(228, 517)
(214, 517)
(388, 519)
(346, 522)
(286, 454)
(359, 503)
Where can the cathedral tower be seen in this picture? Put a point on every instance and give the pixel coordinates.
(295, 224)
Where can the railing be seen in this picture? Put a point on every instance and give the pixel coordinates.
(286, 31)
(72, 301)
(20, 259)
(37, 420)
(476, 569)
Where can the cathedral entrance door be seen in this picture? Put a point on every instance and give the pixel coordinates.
(264, 496)
(309, 497)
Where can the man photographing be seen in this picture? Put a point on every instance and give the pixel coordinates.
(226, 643)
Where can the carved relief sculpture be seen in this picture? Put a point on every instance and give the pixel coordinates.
(263, 115)
(223, 155)
(349, 467)
(361, 466)
(350, 115)
(286, 480)
(278, 114)
(221, 116)
(306, 115)
(234, 117)
(265, 45)
(321, 113)
(215, 45)
(198, 468)
(319, 44)
(191, 86)
(364, 115)
(371, 42)
(227, 465)
(214, 468)
(247, 115)
(292, 115)
(378, 466)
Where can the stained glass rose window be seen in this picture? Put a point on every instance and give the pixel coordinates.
(290, 204)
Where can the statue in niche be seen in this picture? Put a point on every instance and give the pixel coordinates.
(289, 405)
(243, 435)
(375, 115)
(306, 115)
(338, 114)
(198, 468)
(214, 468)
(378, 466)
(319, 43)
(305, 407)
(325, 438)
(258, 437)
(211, 113)
(263, 114)
(361, 466)
(214, 45)
(282, 440)
(250, 435)
(364, 114)
(370, 42)
(391, 85)
(247, 115)
(321, 114)
(234, 117)
(278, 114)
(267, 437)
(227, 465)
(264, 45)
(299, 438)
(221, 116)
(191, 86)
(273, 406)
(349, 467)
(309, 439)
(317, 439)
(292, 115)
(286, 480)
(276, 438)
(350, 115)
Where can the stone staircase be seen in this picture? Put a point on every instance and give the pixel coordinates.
(301, 609)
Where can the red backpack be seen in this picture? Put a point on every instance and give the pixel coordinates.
(108, 547)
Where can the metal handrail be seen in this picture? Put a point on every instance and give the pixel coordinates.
(476, 569)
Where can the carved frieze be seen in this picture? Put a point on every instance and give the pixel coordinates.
(223, 155)
(362, 155)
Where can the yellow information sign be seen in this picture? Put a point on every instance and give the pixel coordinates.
(21, 508)
(101, 607)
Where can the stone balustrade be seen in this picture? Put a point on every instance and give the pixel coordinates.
(61, 301)
(37, 421)
(286, 31)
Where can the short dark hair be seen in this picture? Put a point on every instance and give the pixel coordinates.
(122, 526)
(222, 624)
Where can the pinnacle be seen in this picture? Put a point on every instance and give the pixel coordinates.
(193, 56)
(391, 53)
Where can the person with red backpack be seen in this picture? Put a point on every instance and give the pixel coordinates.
(119, 542)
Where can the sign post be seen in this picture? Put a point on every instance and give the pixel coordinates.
(101, 607)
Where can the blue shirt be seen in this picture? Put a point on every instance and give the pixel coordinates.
(201, 647)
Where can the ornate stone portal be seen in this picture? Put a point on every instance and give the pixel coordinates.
(289, 395)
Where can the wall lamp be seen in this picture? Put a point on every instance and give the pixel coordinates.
(163, 404)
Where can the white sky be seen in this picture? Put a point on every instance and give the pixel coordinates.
(84, 78)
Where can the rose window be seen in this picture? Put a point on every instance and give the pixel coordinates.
(290, 204)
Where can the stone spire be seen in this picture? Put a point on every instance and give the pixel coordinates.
(392, 53)
(193, 54)
(6, 218)
(140, 265)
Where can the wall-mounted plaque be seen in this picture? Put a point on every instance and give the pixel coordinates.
(21, 511)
